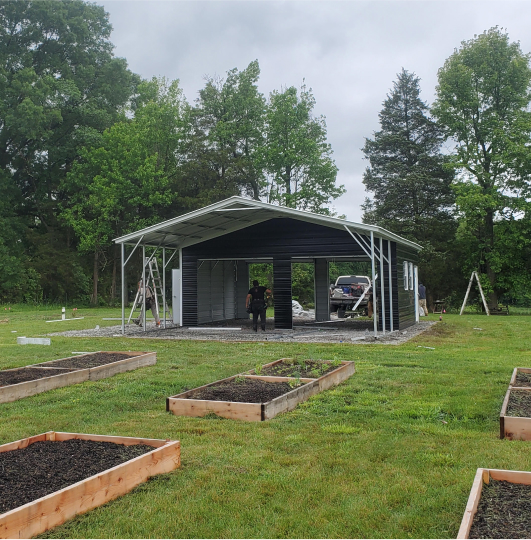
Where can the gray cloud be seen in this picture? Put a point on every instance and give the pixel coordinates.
(349, 53)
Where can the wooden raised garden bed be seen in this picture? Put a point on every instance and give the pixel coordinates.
(521, 378)
(92, 490)
(30, 380)
(255, 397)
(498, 505)
(515, 416)
(326, 372)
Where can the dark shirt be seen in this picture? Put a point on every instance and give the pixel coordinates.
(422, 292)
(257, 292)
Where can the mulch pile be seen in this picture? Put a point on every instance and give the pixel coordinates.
(504, 511)
(243, 391)
(311, 369)
(15, 376)
(47, 466)
(523, 379)
(519, 403)
(90, 360)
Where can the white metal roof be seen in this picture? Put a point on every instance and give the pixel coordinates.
(234, 214)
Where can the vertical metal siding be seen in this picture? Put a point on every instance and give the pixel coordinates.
(282, 293)
(321, 290)
(189, 291)
(229, 308)
(241, 289)
(204, 298)
(406, 299)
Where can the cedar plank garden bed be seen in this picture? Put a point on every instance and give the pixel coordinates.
(515, 416)
(499, 505)
(521, 378)
(49, 478)
(30, 380)
(255, 398)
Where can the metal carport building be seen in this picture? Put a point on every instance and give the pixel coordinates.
(210, 250)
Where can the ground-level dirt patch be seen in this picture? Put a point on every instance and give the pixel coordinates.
(519, 404)
(523, 379)
(289, 367)
(89, 360)
(503, 511)
(48, 466)
(242, 390)
(15, 376)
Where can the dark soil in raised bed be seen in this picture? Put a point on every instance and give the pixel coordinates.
(47, 466)
(310, 369)
(243, 391)
(90, 360)
(15, 376)
(519, 403)
(504, 511)
(523, 379)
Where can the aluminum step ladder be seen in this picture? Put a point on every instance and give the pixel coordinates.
(154, 281)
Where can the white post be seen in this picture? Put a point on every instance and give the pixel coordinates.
(123, 288)
(373, 270)
(63, 316)
(416, 292)
(482, 295)
(390, 286)
(467, 293)
(180, 300)
(164, 283)
(382, 292)
(144, 288)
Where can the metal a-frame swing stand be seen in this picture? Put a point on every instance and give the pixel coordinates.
(480, 290)
(153, 280)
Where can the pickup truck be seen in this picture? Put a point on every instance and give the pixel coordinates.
(346, 291)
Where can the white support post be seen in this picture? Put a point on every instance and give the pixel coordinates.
(180, 287)
(390, 286)
(416, 292)
(482, 295)
(373, 270)
(123, 288)
(164, 283)
(144, 288)
(382, 292)
(467, 293)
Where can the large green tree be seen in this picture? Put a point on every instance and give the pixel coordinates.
(298, 160)
(409, 181)
(227, 136)
(483, 104)
(131, 179)
(60, 87)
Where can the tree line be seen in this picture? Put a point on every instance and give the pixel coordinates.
(89, 151)
(455, 177)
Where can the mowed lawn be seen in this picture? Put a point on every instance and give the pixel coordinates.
(391, 452)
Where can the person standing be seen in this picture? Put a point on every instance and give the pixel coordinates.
(422, 298)
(256, 302)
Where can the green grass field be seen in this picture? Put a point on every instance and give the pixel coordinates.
(390, 453)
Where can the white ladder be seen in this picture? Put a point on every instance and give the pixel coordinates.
(154, 280)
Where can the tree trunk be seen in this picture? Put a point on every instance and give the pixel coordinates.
(492, 297)
(94, 299)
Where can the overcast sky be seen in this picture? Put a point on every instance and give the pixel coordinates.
(349, 53)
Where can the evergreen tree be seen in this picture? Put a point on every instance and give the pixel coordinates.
(411, 187)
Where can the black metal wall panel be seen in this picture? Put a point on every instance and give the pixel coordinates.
(406, 298)
(321, 290)
(281, 238)
(282, 289)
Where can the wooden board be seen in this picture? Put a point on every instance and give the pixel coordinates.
(50, 382)
(42, 514)
(514, 427)
(483, 476)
